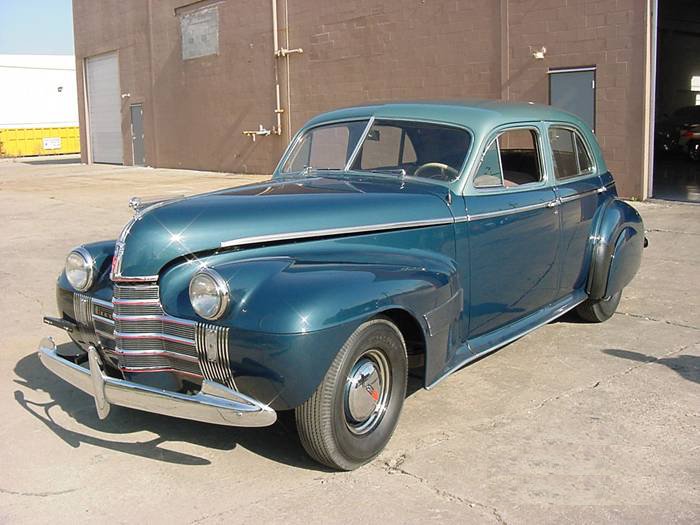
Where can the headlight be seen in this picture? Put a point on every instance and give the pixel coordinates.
(209, 294)
(80, 269)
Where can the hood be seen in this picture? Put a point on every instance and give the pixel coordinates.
(276, 210)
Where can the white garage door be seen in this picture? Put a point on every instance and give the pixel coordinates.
(104, 109)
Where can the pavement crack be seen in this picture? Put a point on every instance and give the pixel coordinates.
(596, 384)
(395, 466)
(654, 319)
(37, 494)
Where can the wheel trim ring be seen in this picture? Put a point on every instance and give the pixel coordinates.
(381, 365)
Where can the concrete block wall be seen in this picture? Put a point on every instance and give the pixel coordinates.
(359, 51)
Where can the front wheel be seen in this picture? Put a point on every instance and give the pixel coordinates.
(352, 414)
(598, 311)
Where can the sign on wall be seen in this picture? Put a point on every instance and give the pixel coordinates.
(52, 143)
(200, 32)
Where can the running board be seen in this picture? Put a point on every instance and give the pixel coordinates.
(485, 344)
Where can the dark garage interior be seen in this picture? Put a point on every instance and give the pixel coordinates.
(677, 136)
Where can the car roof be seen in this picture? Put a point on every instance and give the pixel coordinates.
(473, 113)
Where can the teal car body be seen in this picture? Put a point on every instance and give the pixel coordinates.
(308, 256)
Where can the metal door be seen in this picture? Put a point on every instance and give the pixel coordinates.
(104, 108)
(574, 91)
(137, 147)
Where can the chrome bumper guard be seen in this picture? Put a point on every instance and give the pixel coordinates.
(215, 403)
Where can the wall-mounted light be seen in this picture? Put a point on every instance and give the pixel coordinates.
(539, 53)
(125, 95)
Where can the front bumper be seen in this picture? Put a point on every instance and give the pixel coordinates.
(215, 403)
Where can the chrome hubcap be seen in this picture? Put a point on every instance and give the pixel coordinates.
(367, 392)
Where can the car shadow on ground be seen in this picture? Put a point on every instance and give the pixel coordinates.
(686, 366)
(278, 442)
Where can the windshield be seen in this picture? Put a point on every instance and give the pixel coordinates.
(325, 147)
(416, 149)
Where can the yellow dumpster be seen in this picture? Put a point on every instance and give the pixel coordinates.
(39, 141)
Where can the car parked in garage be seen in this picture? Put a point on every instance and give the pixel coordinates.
(670, 129)
(391, 238)
(689, 141)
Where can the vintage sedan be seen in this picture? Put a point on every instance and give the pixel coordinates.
(392, 239)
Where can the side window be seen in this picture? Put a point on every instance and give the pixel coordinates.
(513, 159)
(489, 174)
(571, 158)
(585, 164)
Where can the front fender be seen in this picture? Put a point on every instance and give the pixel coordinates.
(617, 249)
(289, 318)
(286, 295)
(102, 253)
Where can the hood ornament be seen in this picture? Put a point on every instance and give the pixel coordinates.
(135, 204)
(140, 205)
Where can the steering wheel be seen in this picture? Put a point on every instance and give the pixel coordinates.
(444, 170)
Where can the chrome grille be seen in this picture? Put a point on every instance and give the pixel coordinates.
(137, 292)
(212, 347)
(154, 363)
(157, 324)
(147, 339)
(137, 308)
(154, 344)
(138, 336)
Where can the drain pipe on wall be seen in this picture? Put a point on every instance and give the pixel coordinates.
(278, 53)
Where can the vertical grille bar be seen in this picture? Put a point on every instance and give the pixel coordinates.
(82, 308)
(212, 349)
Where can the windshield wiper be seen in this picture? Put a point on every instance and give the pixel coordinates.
(390, 171)
(308, 169)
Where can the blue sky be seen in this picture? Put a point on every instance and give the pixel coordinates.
(36, 27)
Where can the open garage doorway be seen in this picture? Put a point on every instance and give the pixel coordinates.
(677, 102)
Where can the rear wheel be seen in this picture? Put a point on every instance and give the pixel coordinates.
(352, 414)
(597, 311)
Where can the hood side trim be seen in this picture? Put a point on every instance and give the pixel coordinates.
(329, 232)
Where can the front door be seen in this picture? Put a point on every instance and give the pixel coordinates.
(513, 232)
(137, 146)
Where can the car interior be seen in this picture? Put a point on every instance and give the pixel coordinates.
(415, 149)
(511, 160)
(570, 156)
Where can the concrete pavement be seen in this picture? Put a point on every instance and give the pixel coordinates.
(574, 422)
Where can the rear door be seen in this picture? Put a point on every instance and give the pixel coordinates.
(577, 186)
(513, 231)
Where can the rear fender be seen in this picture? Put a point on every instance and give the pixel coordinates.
(617, 249)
